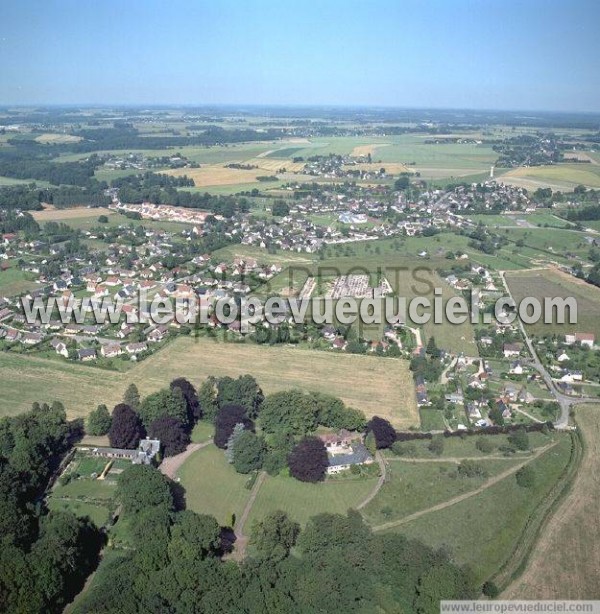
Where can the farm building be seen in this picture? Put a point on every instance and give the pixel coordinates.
(143, 455)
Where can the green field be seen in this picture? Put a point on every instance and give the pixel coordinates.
(13, 281)
(559, 177)
(414, 486)
(483, 531)
(301, 500)
(213, 487)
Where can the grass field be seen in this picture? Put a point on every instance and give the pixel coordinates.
(302, 500)
(484, 530)
(385, 386)
(212, 485)
(553, 283)
(413, 486)
(559, 177)
(566, 559)
(14, 281)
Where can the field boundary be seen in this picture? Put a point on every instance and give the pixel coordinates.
(517, 561)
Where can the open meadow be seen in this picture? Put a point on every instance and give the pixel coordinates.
(486, 531)
(381, 386)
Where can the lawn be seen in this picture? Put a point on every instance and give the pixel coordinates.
(483, 531)
(212, 486)
(301, 500)
(381, 386)
(85, 496)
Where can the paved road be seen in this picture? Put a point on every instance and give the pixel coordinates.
(565, 402)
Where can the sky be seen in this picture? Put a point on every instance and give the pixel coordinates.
(478, 54)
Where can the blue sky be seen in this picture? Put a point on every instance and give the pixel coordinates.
(528, 54)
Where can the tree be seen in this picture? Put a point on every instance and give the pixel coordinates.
(238, 429)
(308, 461)
(243, 391)
(370, 443)
(275, 535)
(126, 430)
(495, 415)
(102, 219)
(132, 397)
(280, 208)
(519, 439)
(141, 487)
(173, 436)
(526, 477)
(194, 536)
(402, 183)
(248, 452)
(227, 418)
(207, 399)
(289, 411)
(384, 432)
(99, 421)
(190, 396)
(165, 402)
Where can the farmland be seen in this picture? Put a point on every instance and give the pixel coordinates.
(566, 559)
(553, 283)
(385, 387)
(559, 177)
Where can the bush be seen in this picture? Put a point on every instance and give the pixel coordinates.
(404, 449)
(525, 477)
(519, 439)
(485, 445)
(436, 445)
(490, 589)
(471, 469)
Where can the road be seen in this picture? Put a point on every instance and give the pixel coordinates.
(565, 402)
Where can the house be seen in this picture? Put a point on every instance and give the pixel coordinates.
(583, 338)
(158, 333)
(342, 439)
(31, 338)
(59, 347)
(562, 356)
(511, 349)
(454, 397)
(12, 334)
(146, 451)
(516, 368)
(136, 348)
(359, 455)
(110, 350)
(86, 354)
